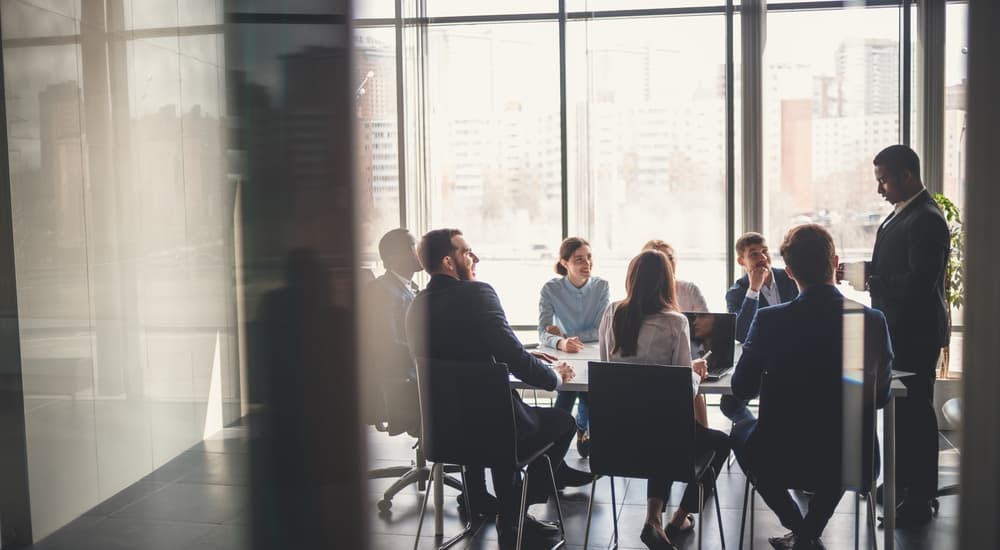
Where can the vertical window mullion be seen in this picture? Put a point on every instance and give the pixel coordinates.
(563, 146)
(930, 63)
(753, 14)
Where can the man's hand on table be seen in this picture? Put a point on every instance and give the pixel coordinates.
(548, 358)
(564, 371)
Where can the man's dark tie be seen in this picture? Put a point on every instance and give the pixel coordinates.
(414, 287)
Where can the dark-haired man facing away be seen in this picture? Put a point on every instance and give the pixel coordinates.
(798, 349)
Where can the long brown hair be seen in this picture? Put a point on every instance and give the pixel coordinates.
(650, 288)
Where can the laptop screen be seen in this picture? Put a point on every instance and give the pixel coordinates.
(715, 332)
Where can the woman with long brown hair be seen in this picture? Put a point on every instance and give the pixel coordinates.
(647, 328)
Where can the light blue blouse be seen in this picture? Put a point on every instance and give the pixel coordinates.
(576, 311)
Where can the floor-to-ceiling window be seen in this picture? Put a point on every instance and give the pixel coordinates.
(830, 103)
(646, 110)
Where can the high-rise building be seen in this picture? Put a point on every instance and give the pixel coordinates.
(867, 73)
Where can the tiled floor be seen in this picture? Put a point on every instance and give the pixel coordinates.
(395, 530)
(199, 501)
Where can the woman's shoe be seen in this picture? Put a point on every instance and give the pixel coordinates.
(653, 540)
(673, 531)
(583, 443)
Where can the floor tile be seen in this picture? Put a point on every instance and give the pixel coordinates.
(190, 503)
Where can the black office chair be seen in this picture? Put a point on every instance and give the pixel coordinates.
(642, 425)
(800, 413)
(464, 405)
(394, 409)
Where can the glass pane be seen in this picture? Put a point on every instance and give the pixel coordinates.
(494, 151)
(442, 8)
(831, 102)
(598, 5)
(374, 9)
(377, 144)
(955, 64)
(647, 149)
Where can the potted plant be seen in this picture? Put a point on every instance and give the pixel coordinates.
(948, 386)
(954, 275)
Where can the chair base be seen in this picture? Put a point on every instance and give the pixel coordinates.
(407, 475)
(468, 529)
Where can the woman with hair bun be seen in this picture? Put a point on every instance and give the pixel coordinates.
(569, 315)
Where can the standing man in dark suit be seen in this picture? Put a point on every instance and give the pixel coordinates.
(459, 318)
(798, 347)
(906, 281)
(761, 286)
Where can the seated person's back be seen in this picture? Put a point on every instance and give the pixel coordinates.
(796, 348)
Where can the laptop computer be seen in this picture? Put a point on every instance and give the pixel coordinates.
(715, 332)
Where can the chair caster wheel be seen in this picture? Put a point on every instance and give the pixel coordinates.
(384, 505)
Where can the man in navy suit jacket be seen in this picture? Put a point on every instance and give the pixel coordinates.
(761, 286)
(906, 282)
(459, 318)
(386, 300)
(798, 349)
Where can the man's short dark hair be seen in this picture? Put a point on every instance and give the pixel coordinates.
(747, 239)
(394, 244)
(808, 251)
(434, 246)
(897, 158)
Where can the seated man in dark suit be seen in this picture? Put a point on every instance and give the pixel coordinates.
(761, 286)
(387, 300)
(798, 348)
(459, 318)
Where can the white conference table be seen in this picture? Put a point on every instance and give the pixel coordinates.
(722, 386)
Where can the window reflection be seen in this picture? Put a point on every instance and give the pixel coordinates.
(123, 241)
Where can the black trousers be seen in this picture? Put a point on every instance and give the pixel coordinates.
(705, 439)
(557, 427)
(916, 423)
(821, 506)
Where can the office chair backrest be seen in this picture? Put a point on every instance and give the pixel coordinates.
(466, 412)
(641, 420)
(802, 424)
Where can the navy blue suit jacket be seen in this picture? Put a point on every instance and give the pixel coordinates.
(907, 278)
(386, 303)
(745, 309)
(797, 348)
(463, 320)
